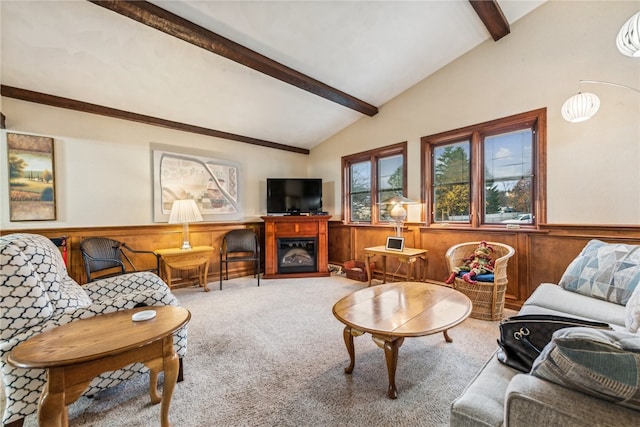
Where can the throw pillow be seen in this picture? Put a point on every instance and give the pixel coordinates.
(632, 313)
(605, 271)
(602, 363)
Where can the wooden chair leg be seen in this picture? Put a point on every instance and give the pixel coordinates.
(181, 371)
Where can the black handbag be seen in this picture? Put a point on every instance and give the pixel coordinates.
(522, 338)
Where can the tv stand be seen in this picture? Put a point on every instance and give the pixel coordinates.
(286, 228)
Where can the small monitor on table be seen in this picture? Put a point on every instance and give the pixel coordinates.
(395, 244)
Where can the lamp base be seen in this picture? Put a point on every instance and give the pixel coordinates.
(185, 237)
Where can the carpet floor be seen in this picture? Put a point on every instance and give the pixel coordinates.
(274, 356)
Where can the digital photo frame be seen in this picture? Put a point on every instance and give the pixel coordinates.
(395, 244)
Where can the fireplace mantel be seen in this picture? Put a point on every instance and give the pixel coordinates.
(295, 226)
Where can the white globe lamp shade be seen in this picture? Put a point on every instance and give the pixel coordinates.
(628, 40)
(580, 107)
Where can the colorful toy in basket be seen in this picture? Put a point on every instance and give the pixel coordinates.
(479, 262)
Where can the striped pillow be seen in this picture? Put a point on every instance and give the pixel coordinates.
(602, 363)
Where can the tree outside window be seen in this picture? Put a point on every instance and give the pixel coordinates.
(490, 174)
(451, 188)
(370, 178)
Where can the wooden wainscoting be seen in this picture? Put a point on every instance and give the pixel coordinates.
(541, 256)
(152, 237)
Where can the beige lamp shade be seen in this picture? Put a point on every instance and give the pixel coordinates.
(398, 212)
(183, 212)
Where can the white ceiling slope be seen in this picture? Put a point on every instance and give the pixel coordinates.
(372, 50)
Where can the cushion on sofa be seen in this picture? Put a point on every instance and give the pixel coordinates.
(632, 311)
(605, 364)
(605, 271)
(482, 403)
(549, 298)
(533, 401)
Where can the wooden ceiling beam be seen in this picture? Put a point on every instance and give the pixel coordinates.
(85, 107)
(169, 23)
(492, 17)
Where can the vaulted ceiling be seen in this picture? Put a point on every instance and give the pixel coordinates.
(283, 74)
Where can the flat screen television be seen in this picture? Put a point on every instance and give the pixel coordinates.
(294, 196)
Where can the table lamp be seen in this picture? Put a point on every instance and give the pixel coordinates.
(183, 212)
(398, 213)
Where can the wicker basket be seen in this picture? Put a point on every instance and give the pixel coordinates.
(487, 298)
(357, 270)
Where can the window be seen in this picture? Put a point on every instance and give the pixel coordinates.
(371, 177)
(491, 174)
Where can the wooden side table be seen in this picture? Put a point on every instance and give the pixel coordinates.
(73, 357)
(197, 257)
(407, 255)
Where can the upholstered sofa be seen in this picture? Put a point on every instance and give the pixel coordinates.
(584, 377)
(38, 294)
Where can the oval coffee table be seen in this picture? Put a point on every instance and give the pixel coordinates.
(394, 311)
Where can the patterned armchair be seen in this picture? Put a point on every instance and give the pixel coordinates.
(37, 294)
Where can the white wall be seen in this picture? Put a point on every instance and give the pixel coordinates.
(103, 169)
(103, 165)
(593, 167)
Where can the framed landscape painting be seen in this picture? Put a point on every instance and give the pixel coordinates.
(31, 178)
(183, 173)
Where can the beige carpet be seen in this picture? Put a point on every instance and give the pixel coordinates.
(274, 356)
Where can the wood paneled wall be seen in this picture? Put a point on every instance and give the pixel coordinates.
(152, 237)
(541, 255)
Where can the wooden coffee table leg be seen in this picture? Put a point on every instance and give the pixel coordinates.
(447, 338)
(51, 408)
(391, 356)
(348, 341)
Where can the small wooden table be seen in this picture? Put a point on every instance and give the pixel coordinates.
(394, 311)
(76, 352)
(197, 257)
(407, 255)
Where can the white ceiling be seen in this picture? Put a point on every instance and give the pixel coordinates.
(372, 50)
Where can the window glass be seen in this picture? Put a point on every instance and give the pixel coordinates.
(360, 183)
(508, 162)
(390, 182)
(451, 182)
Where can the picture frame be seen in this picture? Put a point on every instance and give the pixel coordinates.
(184, 173)
(394, 244)
(31, 168)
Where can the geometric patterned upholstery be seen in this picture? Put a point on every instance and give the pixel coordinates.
(605, 271)
(37, 294)
(605, 364)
